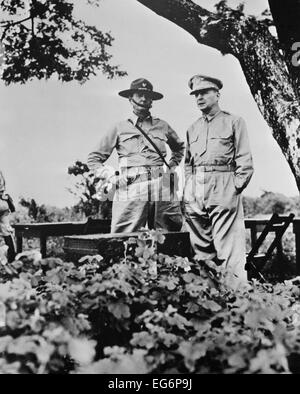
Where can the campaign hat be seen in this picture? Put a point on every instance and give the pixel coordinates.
(141, 85)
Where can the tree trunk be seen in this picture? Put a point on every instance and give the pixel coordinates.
(274, 88)
(286, 18)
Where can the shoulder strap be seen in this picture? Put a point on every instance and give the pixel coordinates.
(151, 142)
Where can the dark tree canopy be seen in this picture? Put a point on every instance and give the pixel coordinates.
(42, 38)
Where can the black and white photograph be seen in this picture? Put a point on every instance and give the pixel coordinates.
(149, 189)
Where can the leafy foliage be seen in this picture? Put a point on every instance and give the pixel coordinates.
(42, 38)
(85, 191)
(147, 313)
(269, 202)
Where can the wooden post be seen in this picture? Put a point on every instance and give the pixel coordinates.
(43, 244)
(19, 239)
(253, 231)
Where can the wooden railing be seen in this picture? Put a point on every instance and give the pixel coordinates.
(44, 230)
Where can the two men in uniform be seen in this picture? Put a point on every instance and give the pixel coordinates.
(218, 166)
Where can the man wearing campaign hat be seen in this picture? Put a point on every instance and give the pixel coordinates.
(218, 167)
(140, 197)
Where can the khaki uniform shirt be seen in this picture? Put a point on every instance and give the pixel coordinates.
(133, 148)
(220, 140)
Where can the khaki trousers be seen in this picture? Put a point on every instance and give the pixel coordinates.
(214, 217)
(145, 204)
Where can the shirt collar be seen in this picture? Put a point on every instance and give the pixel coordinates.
(134, 118)
(208, 118)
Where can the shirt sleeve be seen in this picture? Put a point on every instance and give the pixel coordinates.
(103, 150)
(243, 158)
(176, 146)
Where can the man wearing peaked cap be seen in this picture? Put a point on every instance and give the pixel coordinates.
(142, 193)
(202, 82)
(218, 167)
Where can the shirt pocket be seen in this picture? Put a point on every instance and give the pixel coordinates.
(129, 143)
(159, 139)
(221, 145)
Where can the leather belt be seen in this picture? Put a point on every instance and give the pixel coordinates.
(213, 168)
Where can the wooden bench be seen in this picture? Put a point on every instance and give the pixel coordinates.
(45, 230)
(111, 246)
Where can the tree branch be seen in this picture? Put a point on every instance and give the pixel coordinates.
(187, 15)
(9, 24)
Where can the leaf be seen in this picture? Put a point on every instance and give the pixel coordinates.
(82, 350)
(148, 252)
(188, 278)
(139, 251)
(124, 364)
(261, 362)
(158, 236)
(153, 268)
(2, 314)
(13, 320)
(33, 255)
(4, 291)
(3, 254)
(237, 360)
(35, 280)
(131, 241)
(4, 341)
(168, 339)
(142, 339)
(211, 305)
(44, 352)
(170, 283)
(119, 310)
(194, 290)
(91, 259)
(22, 346)
(192, 307)
(192, 352)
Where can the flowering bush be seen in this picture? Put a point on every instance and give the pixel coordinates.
(147, 313)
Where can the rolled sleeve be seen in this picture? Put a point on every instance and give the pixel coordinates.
(177, 147)
(103, 150)
(243, 158)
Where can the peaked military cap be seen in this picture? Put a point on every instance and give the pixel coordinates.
(202, 82)
(141, 85)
